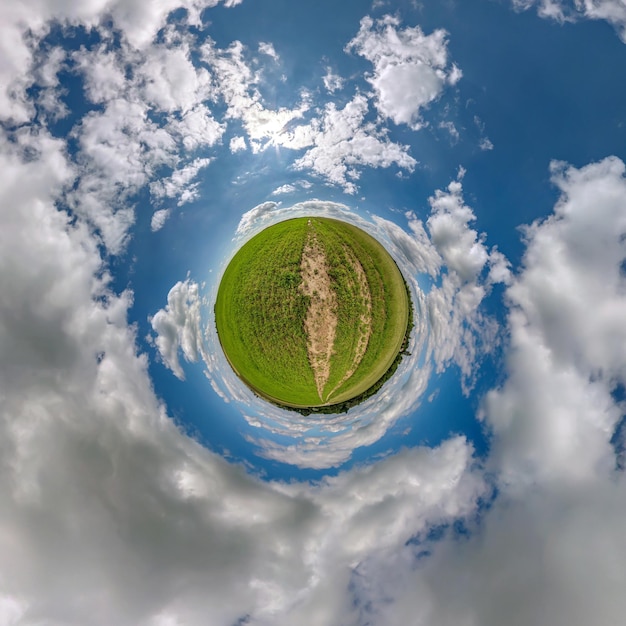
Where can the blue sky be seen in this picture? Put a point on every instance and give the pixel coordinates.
(482, 142)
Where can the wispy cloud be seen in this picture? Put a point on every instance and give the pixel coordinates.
(613, 11)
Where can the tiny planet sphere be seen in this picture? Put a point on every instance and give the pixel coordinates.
(313, 314)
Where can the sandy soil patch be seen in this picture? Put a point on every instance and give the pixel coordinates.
(320, 322)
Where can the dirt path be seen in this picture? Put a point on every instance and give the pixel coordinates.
(320, 322)
(365, 326)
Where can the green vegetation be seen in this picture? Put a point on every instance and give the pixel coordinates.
(346, 405)
(259, 312)
(264, 299)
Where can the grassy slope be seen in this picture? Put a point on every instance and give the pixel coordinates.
(259, 312)
(389, 310)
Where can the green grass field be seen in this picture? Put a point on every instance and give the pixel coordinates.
(260, 311)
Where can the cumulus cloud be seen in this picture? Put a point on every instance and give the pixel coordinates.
(119, 148)
(237, 144)
(454, 306)
(46, 75)
(178, 326)
(284, 189)
(411, 69)
(97, 477)
(342, 141)
(567, 337)
(257, 213)
(463, 268)
(122, 148)
(550, 548)
(138, 23)
(170, 81)
(532, 560)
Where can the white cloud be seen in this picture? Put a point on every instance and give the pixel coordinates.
(178, 184)
(178, 326)
(333, 82)
(119, 151)
(435, 487)
(284, 189)
(550, 549)
(267, 48)
(11, 611)
(197, 129)
(164, 80)
(451, 128)
(343, 142)
(613, 11)
(171, 81)
(22, 22)
(103, 73)
(123, 149)
(450, 326)
(533, 560)
(237, 85)
(410, 69)
(255, 214)
(141, 21)
(485, 144)
(237, 144)
(568, 340)
(158, 219)
(290, 188)
(47, 67)
(415, 246)
(456, 255)
(95, 472)
(458, 245)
